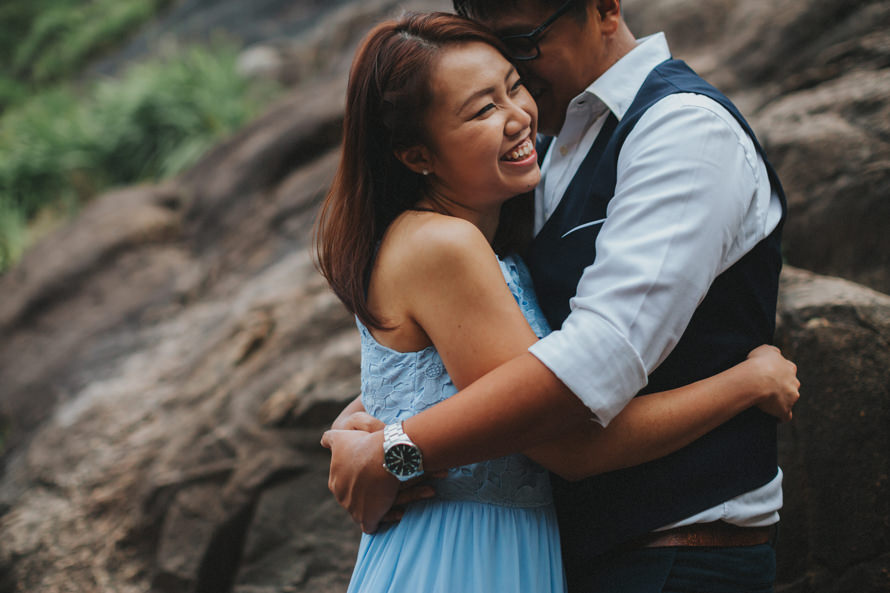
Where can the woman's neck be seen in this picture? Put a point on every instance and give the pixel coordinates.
(486, 220)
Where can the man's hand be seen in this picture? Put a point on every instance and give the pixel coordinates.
(780, 375)
(358, 480)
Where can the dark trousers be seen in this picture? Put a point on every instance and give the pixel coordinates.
(750, 569)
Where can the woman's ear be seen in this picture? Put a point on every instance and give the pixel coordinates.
(417, 158)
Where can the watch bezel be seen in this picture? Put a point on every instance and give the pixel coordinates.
(403, 460)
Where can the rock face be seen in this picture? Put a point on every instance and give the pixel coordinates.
(169, 360)
(814, 78)
(836, 521)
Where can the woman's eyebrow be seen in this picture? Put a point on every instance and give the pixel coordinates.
(485, 91)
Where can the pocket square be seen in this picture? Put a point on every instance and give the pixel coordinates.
(582, 226)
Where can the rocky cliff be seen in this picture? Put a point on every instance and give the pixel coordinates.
(169, 359)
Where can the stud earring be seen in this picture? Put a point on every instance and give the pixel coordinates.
(425, 172)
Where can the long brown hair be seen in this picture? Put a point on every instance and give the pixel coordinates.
(386, 102)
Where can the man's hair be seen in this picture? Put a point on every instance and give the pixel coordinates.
(488, 9)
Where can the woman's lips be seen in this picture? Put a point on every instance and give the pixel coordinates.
(520, 152)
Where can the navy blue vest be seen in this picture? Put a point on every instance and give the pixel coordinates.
(737, 314)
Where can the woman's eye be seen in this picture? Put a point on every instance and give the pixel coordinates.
(516, 85)
(484, 110)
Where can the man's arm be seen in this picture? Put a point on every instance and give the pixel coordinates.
(653, 426)
(516, 406)
(691, 198)
(648, 428)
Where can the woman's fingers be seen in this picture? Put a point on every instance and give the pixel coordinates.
(412, 491)
(362, 421)
(414, 494)
(393, 516)
(406, 496)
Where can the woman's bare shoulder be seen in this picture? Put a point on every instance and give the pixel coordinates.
(423, 256)
(424, 242)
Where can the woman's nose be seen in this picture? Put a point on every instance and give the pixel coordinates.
(518, 120)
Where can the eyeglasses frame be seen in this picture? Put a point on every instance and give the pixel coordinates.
(535, 35)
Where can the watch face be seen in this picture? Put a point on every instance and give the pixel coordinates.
(402, 459)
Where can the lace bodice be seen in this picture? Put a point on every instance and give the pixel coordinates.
(397, 385)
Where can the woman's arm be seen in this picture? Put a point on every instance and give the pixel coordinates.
(355, 417)
(342, 421)
(450, 285)
(655, 425)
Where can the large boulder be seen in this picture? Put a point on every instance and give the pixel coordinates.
(836, 452)
(168, 363)
(813, 77)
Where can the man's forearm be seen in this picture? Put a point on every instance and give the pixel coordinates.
(517, 405)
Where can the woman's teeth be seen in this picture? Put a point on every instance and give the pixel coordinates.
(525, 149)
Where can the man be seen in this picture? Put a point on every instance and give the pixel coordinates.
(657, 256)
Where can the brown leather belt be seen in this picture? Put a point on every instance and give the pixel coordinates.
(716, 535)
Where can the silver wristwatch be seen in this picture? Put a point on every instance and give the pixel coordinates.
(401, 457)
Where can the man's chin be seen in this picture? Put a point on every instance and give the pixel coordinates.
(549, 122)
(548, 128)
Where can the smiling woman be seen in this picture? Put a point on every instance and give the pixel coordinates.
(439, 138)
(430, 99)
(480, 150)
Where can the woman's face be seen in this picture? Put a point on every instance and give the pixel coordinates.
(481, 127)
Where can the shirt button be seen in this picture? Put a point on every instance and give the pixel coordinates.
(563, 150)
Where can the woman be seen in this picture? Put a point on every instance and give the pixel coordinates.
(439, 138)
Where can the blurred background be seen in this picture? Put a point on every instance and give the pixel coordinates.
(169, 356)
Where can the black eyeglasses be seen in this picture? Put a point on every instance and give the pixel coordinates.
(524, 47)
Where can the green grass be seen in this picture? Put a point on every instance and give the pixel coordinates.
(64, 145)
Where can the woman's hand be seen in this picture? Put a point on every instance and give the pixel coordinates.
(780, 384)
(357, 478)
(357, 421)
(412, 491)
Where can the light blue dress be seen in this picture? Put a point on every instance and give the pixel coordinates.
(491, 527)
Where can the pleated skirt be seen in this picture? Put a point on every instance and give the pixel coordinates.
(447, 546)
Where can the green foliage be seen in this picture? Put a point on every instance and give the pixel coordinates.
(45, 41)
(12, 233)
(63, 146)
(11, 91)
(59, 145)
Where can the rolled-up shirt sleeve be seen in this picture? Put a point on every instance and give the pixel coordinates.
(687, 183)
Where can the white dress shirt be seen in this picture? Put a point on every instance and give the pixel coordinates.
(692, 197)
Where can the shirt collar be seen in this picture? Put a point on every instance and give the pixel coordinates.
(618, 86)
